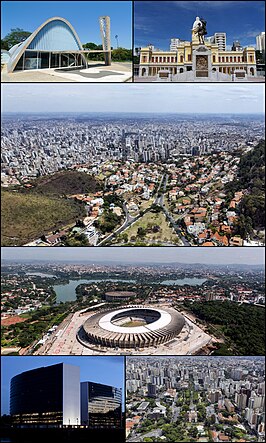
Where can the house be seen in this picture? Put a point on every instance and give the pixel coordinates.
(236, 241)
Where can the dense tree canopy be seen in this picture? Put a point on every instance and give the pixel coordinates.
(243, 325)
(251, 178)
(118, 55)
(16, 35)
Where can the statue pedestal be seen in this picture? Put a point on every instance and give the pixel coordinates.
(201, 61)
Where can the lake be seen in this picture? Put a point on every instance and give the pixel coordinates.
(41, 274)
(67, 292)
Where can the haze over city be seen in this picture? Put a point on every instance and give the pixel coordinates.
(249, 256)
(185, 98)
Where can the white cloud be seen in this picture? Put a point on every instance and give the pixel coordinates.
(210, 98)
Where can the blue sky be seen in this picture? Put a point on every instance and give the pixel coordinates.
(183, 98)
(251, 255)
(156, 22)
(83, 15)
(105, 370)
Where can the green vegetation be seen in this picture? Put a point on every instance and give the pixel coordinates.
(242, 325)
(24, 334)
(108, 222)
(29, 213)
(29, 216)
(76, 240)
(4, 45)
(66, 183)
(15, 36)
(118, 55)
(152, 227)
(251, 178)
(174, 433)
(134, 323)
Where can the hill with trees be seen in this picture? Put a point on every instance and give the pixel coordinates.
(251, 179)
(66, 183)
(242, 325)
(31, 212)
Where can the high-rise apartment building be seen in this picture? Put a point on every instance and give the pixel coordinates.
(174, 43)
(151, 390)
(220, 40)
(260, 42)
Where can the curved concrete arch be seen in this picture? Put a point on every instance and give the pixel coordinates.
(22, 47)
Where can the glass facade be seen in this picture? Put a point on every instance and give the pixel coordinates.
(45, 59)
(101, 405)
(37, 396)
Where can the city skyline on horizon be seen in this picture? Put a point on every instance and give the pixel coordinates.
(244, 99)
(247, 256)
(121, 113)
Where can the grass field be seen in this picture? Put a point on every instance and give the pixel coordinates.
(26, 217)
(148, 221)
(131, 324)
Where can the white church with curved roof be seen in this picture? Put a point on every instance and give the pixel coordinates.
(54, 44)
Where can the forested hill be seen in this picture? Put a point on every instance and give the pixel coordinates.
(252, 169)
(66, 182)
(251, 177)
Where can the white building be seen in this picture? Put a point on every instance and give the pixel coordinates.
(260, 42)
(220, 40)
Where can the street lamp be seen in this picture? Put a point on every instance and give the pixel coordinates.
(116, 37)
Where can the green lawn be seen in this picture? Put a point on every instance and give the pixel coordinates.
(134, 323)
(148, 221)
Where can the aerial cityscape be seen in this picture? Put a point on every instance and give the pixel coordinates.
(198, 399)
(164, 307)
(137, 179)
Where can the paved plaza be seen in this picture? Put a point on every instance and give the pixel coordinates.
(99, 73)
(64, 340)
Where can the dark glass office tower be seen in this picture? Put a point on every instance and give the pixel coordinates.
(48, 395)
(101, 406)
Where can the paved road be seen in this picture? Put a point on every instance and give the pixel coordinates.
(128, 222)
(160, 202)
